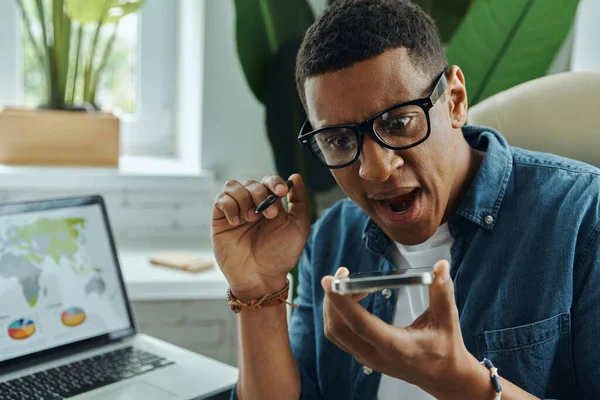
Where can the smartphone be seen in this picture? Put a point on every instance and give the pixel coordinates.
(367, 282)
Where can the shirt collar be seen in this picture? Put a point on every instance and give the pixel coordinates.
(482, 201)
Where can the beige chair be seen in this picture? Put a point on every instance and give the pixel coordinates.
(558, 114)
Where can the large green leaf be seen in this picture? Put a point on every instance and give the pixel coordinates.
(262, 26)
(446, 14)
(502, 43)
(285, 116)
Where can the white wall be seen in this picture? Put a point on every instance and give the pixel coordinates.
(235, 143)
(581, 50)
(586, 50)
(9, 66)
(562, 61)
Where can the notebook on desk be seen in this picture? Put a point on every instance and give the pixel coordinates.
(66, 325)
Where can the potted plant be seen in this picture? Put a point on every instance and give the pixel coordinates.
(68, 127)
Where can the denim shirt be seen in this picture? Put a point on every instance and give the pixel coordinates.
(525, 264)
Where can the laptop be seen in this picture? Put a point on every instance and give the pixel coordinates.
(66, 325)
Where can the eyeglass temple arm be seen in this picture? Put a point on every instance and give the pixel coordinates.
(440, 88)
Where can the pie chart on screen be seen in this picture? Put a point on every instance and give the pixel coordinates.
(21, 329)
(73, 316)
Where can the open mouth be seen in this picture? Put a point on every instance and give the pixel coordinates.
(400, 204)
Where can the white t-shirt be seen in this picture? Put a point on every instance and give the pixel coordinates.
(413, 301)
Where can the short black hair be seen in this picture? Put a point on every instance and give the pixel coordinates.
(350, 31)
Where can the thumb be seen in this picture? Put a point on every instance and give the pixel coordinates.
(341, 272)
(298, 198)
(441, 294)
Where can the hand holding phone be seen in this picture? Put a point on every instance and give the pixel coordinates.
(378, 280)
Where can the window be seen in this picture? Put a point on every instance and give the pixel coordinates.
(117, 88)
(139, 77)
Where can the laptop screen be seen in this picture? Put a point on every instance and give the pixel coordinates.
(59, 277)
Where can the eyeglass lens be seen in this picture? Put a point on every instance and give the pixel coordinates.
(399, 127)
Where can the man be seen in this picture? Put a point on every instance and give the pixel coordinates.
(517, 233)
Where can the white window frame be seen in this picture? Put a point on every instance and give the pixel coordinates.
(150, 131)
(9, 67)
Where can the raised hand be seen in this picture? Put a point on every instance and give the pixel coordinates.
(257, 251)
(430, 353)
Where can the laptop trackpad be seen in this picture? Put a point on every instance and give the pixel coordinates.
(135, 391)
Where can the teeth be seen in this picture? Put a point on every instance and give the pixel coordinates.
(403, 193)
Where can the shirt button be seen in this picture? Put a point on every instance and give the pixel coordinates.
(489, 220)
(367, 370)
(386, 293)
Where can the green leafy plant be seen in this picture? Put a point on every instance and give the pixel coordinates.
(501, 43)
(269, 34)
(448, 14)
(65, 25)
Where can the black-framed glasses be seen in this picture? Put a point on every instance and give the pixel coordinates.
(399, 127)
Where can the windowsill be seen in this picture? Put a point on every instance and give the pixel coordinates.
(133, 171)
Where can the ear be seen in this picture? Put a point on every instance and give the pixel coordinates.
(457, 99)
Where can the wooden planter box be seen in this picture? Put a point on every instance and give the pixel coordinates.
(50, 137)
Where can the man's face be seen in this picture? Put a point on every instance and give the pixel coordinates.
(408, 193)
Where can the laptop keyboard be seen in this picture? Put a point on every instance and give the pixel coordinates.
(82, 376)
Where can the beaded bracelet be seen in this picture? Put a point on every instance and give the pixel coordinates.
(494, 373)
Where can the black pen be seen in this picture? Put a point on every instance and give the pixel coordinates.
(266, 203)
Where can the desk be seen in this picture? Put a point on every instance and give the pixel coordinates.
(187, 309)
(151, 282)
(183, 308)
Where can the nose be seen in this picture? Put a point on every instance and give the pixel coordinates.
(377, 163)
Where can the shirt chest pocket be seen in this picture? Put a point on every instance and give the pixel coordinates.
(535, 357)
